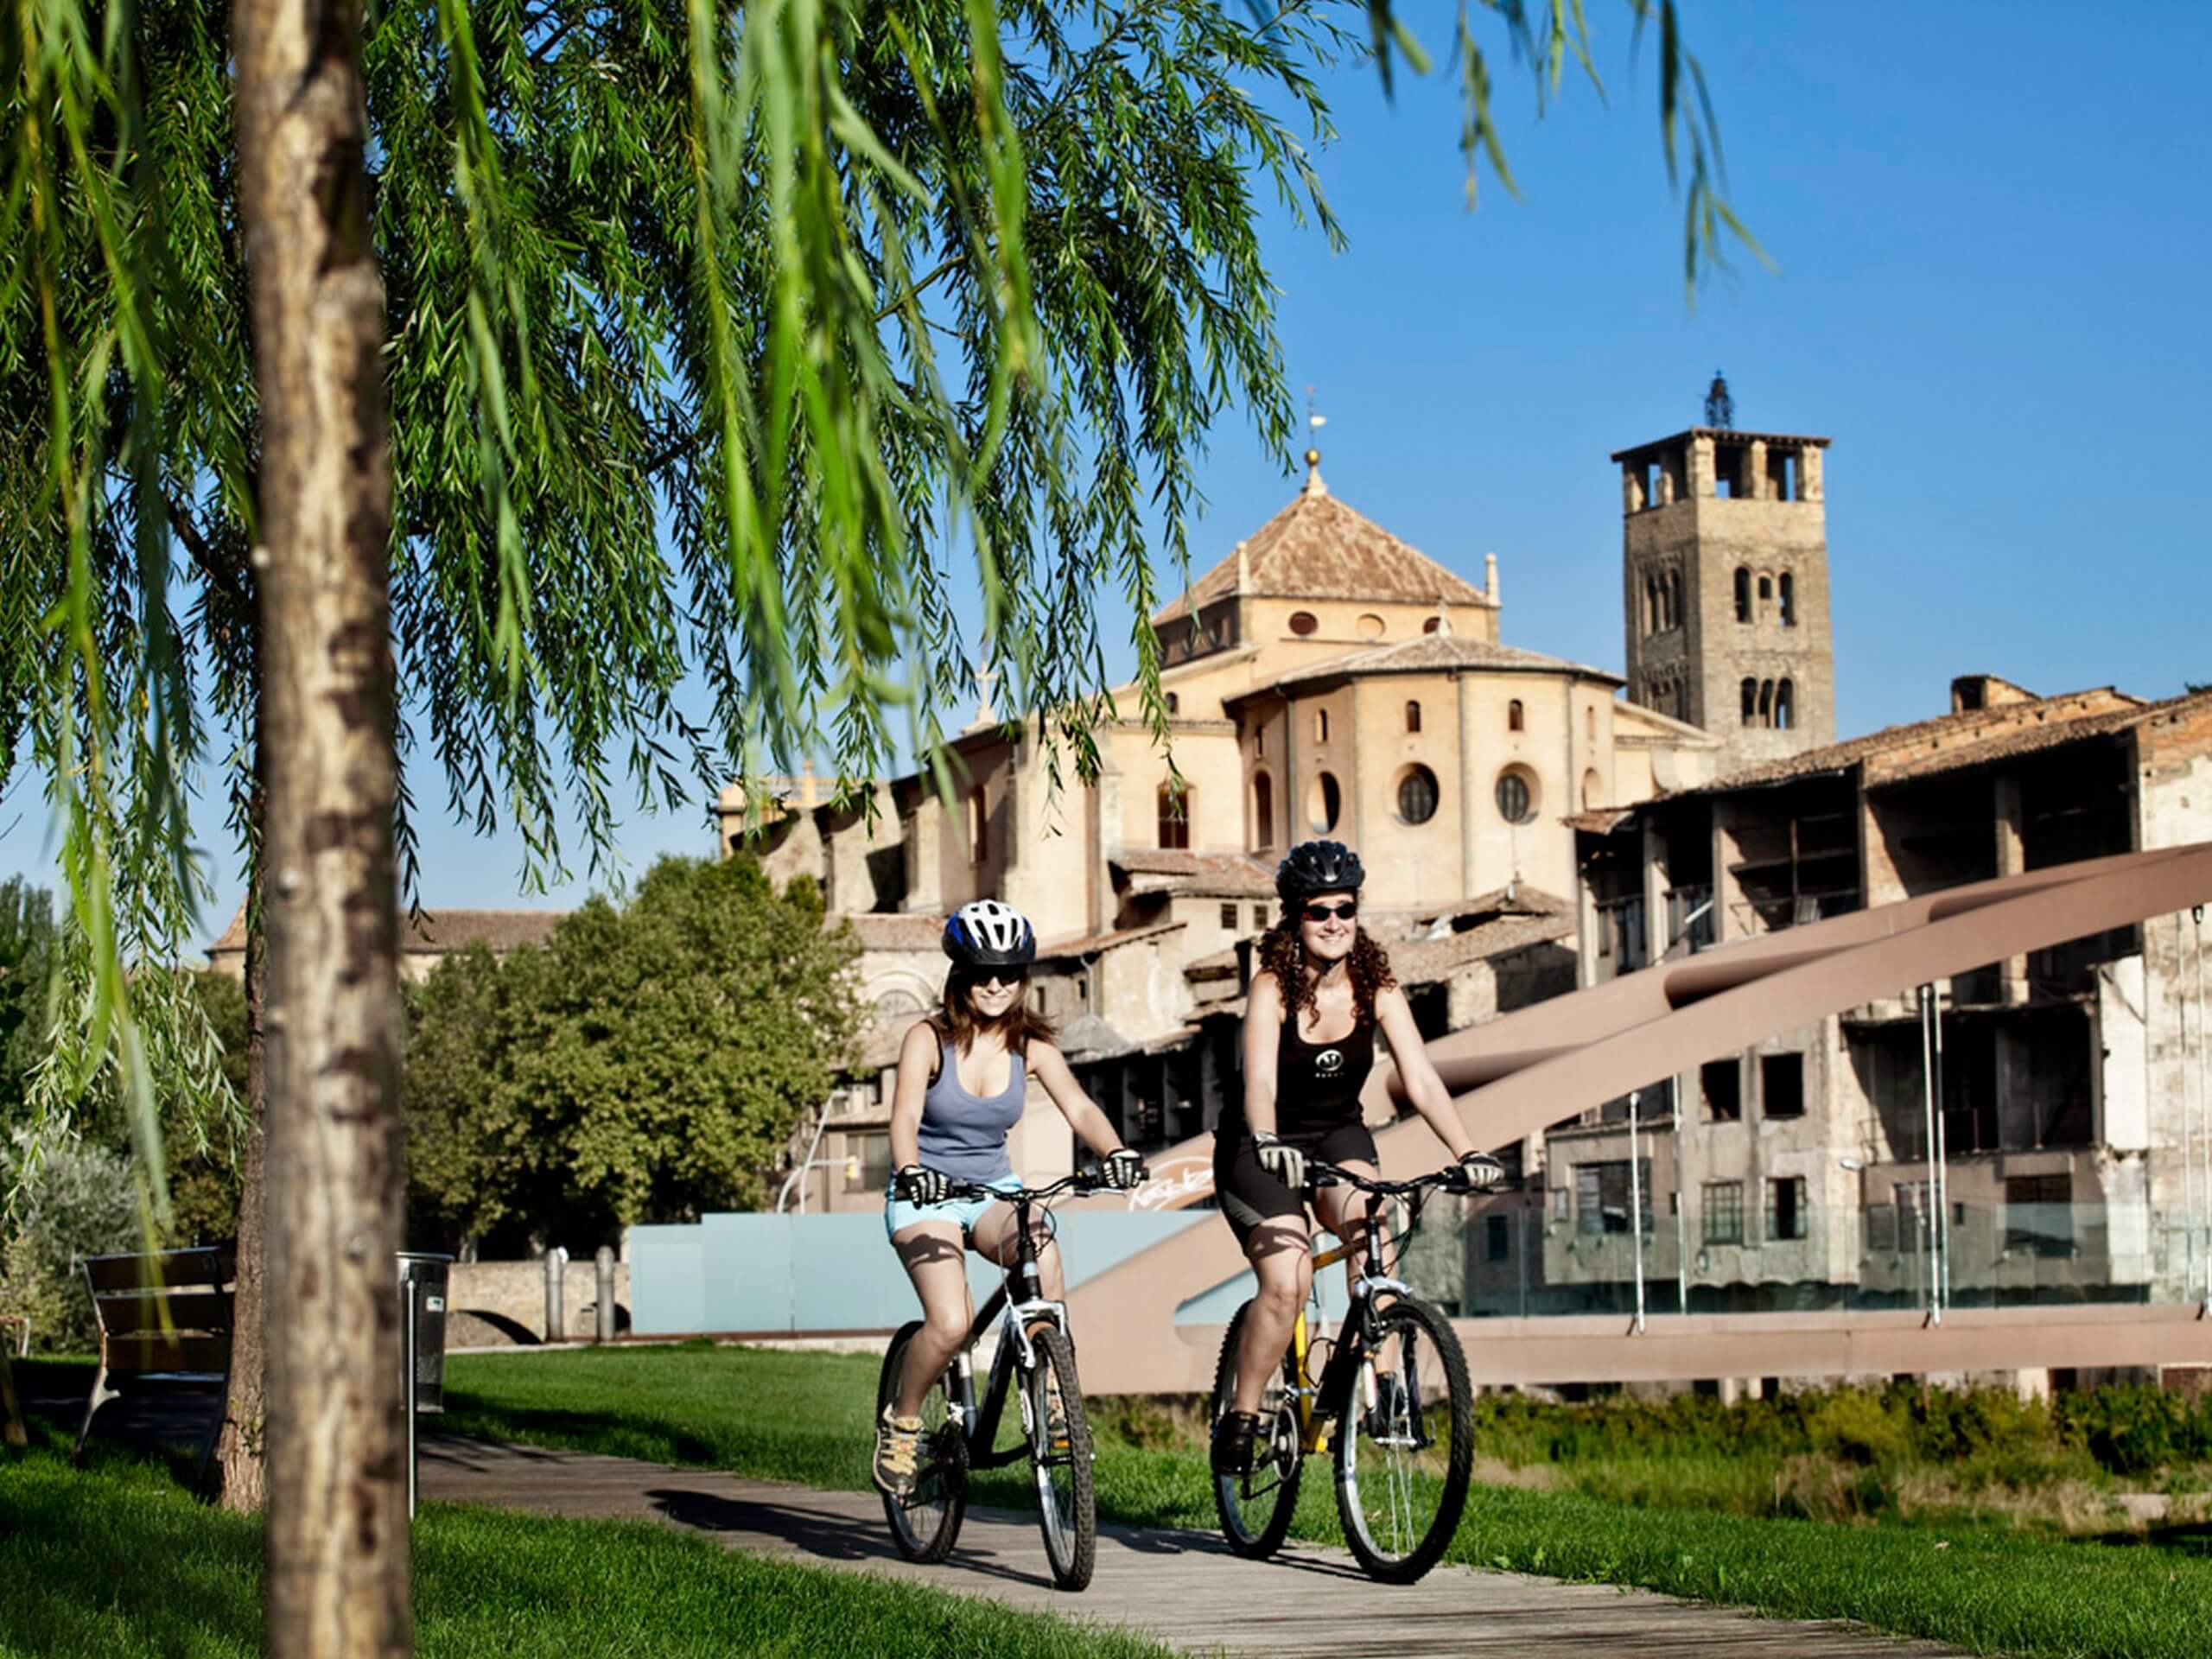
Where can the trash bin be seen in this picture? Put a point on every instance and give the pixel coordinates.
(427, 1273)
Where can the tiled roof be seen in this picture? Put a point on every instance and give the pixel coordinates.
(1434, 653)
(2007, 744)
(888, 931)
(1603, 821)
(1427, 961)
(1947, 740)
(434, 932)
(1319, 547)
(1229, 874)
(1090, 943)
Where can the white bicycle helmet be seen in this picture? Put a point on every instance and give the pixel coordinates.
(985, 933)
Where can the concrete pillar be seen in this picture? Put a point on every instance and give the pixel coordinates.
(1756, 486)
(1701, 469)
(1727, 893)
(556, 1311)
(2011, 826)
(605, 1306)
(1808, 474)
(1631, 486)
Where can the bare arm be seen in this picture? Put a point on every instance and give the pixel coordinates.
(1423, 1087)
(1049, 1068)
(1262, 1035)
(916, 1055)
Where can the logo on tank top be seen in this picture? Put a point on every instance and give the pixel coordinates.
(1329, 1061)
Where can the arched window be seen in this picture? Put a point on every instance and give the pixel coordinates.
(1417, 795)
(1650, 604)
(1321, 725)
(1264, 810)
(1592, 786)
(1675, 599)
(979, 826)
(1324, 803)
(1174, 817)
(1766, 702)
(1743, 594)
(1513, 719)
(1590, 722)
(1259, 739)
(1174, 703)
(1785, 707)
(1766, 593)
(1789, 601)
(1751, 700)
(1413, 716)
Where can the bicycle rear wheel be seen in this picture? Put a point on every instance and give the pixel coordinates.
(1059, 1453)
(924, 1525)
(1405, 1442)
(1256, 1508)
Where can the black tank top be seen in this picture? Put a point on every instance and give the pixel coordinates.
(1318, 1084)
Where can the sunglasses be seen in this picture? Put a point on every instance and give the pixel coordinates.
(1002, 976)
(1345, 911)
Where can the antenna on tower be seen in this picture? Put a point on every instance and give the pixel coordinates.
(1314, 423)
(1719, 407)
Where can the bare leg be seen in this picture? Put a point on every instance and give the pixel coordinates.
(1283, 1263)
(1345, 1211)
(936, 1262)
(997, 1240)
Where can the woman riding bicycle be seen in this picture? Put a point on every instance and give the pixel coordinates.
(962, 1077)
(1324, 988)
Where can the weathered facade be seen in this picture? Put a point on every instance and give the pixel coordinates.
(2056, 1087)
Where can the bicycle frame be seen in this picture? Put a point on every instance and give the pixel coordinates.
(979, 1425)
(1323, 1400)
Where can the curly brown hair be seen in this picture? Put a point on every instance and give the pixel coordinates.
(1282, 955)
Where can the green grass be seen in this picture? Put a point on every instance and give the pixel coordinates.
(114, 1561)
(805, 1417)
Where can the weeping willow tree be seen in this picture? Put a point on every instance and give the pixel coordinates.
(536, 404)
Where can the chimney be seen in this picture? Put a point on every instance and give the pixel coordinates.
(1489, 578)
(1972, 691)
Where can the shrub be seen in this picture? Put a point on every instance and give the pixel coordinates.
(79, 1201)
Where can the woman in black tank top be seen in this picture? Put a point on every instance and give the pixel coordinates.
(1324, 990)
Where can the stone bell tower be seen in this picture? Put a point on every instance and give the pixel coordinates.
(1725, 577)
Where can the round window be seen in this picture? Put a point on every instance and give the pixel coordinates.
(1324, 804)
(1370, 627)
(1517, 797)
(1417, 795)
(1303, 622)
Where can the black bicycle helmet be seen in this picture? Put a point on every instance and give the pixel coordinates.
(1318, 867)
(988, 934)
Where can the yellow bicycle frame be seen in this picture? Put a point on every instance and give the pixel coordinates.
(1307, 1388)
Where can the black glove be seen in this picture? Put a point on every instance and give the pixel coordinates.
(920, 1186)
(1281, 1159)
(1123, 1170)
(1481, 1171)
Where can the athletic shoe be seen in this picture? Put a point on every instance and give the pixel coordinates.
(898, 1453)
(1232, 1443)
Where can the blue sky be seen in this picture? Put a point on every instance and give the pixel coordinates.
(1991, 232)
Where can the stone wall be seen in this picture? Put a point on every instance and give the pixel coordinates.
(506, 1302)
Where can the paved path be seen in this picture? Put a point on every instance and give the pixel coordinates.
(1183, 1588)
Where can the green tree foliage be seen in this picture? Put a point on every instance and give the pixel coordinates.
(26, 932)
(649, 1064)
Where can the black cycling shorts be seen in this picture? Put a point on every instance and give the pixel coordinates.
(1249, 1196)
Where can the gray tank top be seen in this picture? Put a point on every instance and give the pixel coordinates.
(964, 1135)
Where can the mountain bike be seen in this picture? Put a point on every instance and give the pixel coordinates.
(1035, 1363)
(1395, 1387)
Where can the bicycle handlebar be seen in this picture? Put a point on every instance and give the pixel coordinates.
(1084, 1183)
(1449, 1178)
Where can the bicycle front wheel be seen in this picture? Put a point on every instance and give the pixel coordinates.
(1255, 1507)
(1059, 1453)
(924, 1524)
(1405, 1442)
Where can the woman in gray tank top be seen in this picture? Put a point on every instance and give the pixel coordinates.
(963, 1075)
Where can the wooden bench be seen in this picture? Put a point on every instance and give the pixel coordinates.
(165, 1327)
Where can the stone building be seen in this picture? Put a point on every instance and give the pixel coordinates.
(1797, 1173)
(1724, 588)
(1323, 679)
(425, 937)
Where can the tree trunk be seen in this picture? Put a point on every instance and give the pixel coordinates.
(338, 1567)
(240, 1453)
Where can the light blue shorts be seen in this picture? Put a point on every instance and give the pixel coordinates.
(898, 1214)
